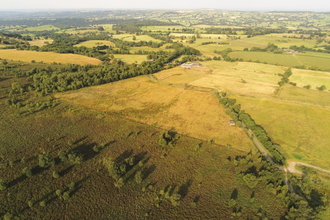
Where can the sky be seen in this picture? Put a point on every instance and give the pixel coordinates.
(240, 5)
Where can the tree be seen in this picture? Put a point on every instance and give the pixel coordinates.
(3, 184)
(66, 195)
(27, 171)
(100, 28)
(322, 88)
(56, 175)
(45, 160)
(138, 177)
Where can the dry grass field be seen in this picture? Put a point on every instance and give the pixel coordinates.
(39, 43)
(47, 57)
(194, 113)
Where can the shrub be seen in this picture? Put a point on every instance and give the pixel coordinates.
(3, 184)
(27, 171)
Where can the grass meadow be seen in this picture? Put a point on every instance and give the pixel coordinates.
(194, 113)
(297, 119)
(39, 43)
(131, 58)
(292, 60)
(47, 57)
(42, 28)
(95, 43)
(313, 78)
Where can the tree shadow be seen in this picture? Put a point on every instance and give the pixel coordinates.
(87, 150)
(19, 179)
(147, 171)
(183, 190)
(197, 198)
(80, 140)
(234, 194)
(121, 158)
(316, 199)
(65, 171)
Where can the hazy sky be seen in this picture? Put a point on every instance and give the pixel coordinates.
(246, 5)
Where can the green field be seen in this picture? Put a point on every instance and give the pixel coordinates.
(131, 58)
(300, 124)
(94, 43)
(313, 78)
(309, 59)
(129, 37)
(42, 28)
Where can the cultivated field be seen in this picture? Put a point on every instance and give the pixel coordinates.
(47, 57)
(197, 114)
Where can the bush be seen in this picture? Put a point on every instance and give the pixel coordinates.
(27, 171)
(322, 88)
(3, 184)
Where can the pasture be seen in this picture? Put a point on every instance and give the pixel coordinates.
(193, 113)
(300, 124)
(39, 43)
(42, 28)
(129, 37)
(290, 60)
(313, 78)
(240, 77)
(95, 43)
(131, 58)
(47, 57)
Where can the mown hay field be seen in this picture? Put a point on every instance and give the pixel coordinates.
(95, 43)
(194, 113)
(298, 120)
(47, 57)
(284, 59)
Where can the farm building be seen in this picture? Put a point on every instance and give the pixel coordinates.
(232, 123)
(190, 65)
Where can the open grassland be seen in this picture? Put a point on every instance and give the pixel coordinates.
(313, 78)
(47, 57)
(162, 28)
(181, 76)
(298, 120)
(131, 58)
(129, 37)
(39, 43)
(277, 39)
(95, 43)
(240, 77)
(135, 49)
(77, 31)
(42, 28)
(284, 59)
(197, 114)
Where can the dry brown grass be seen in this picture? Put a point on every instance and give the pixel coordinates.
(195, 113)
(47, 57)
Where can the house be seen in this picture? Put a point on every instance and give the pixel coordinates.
(232, 123)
